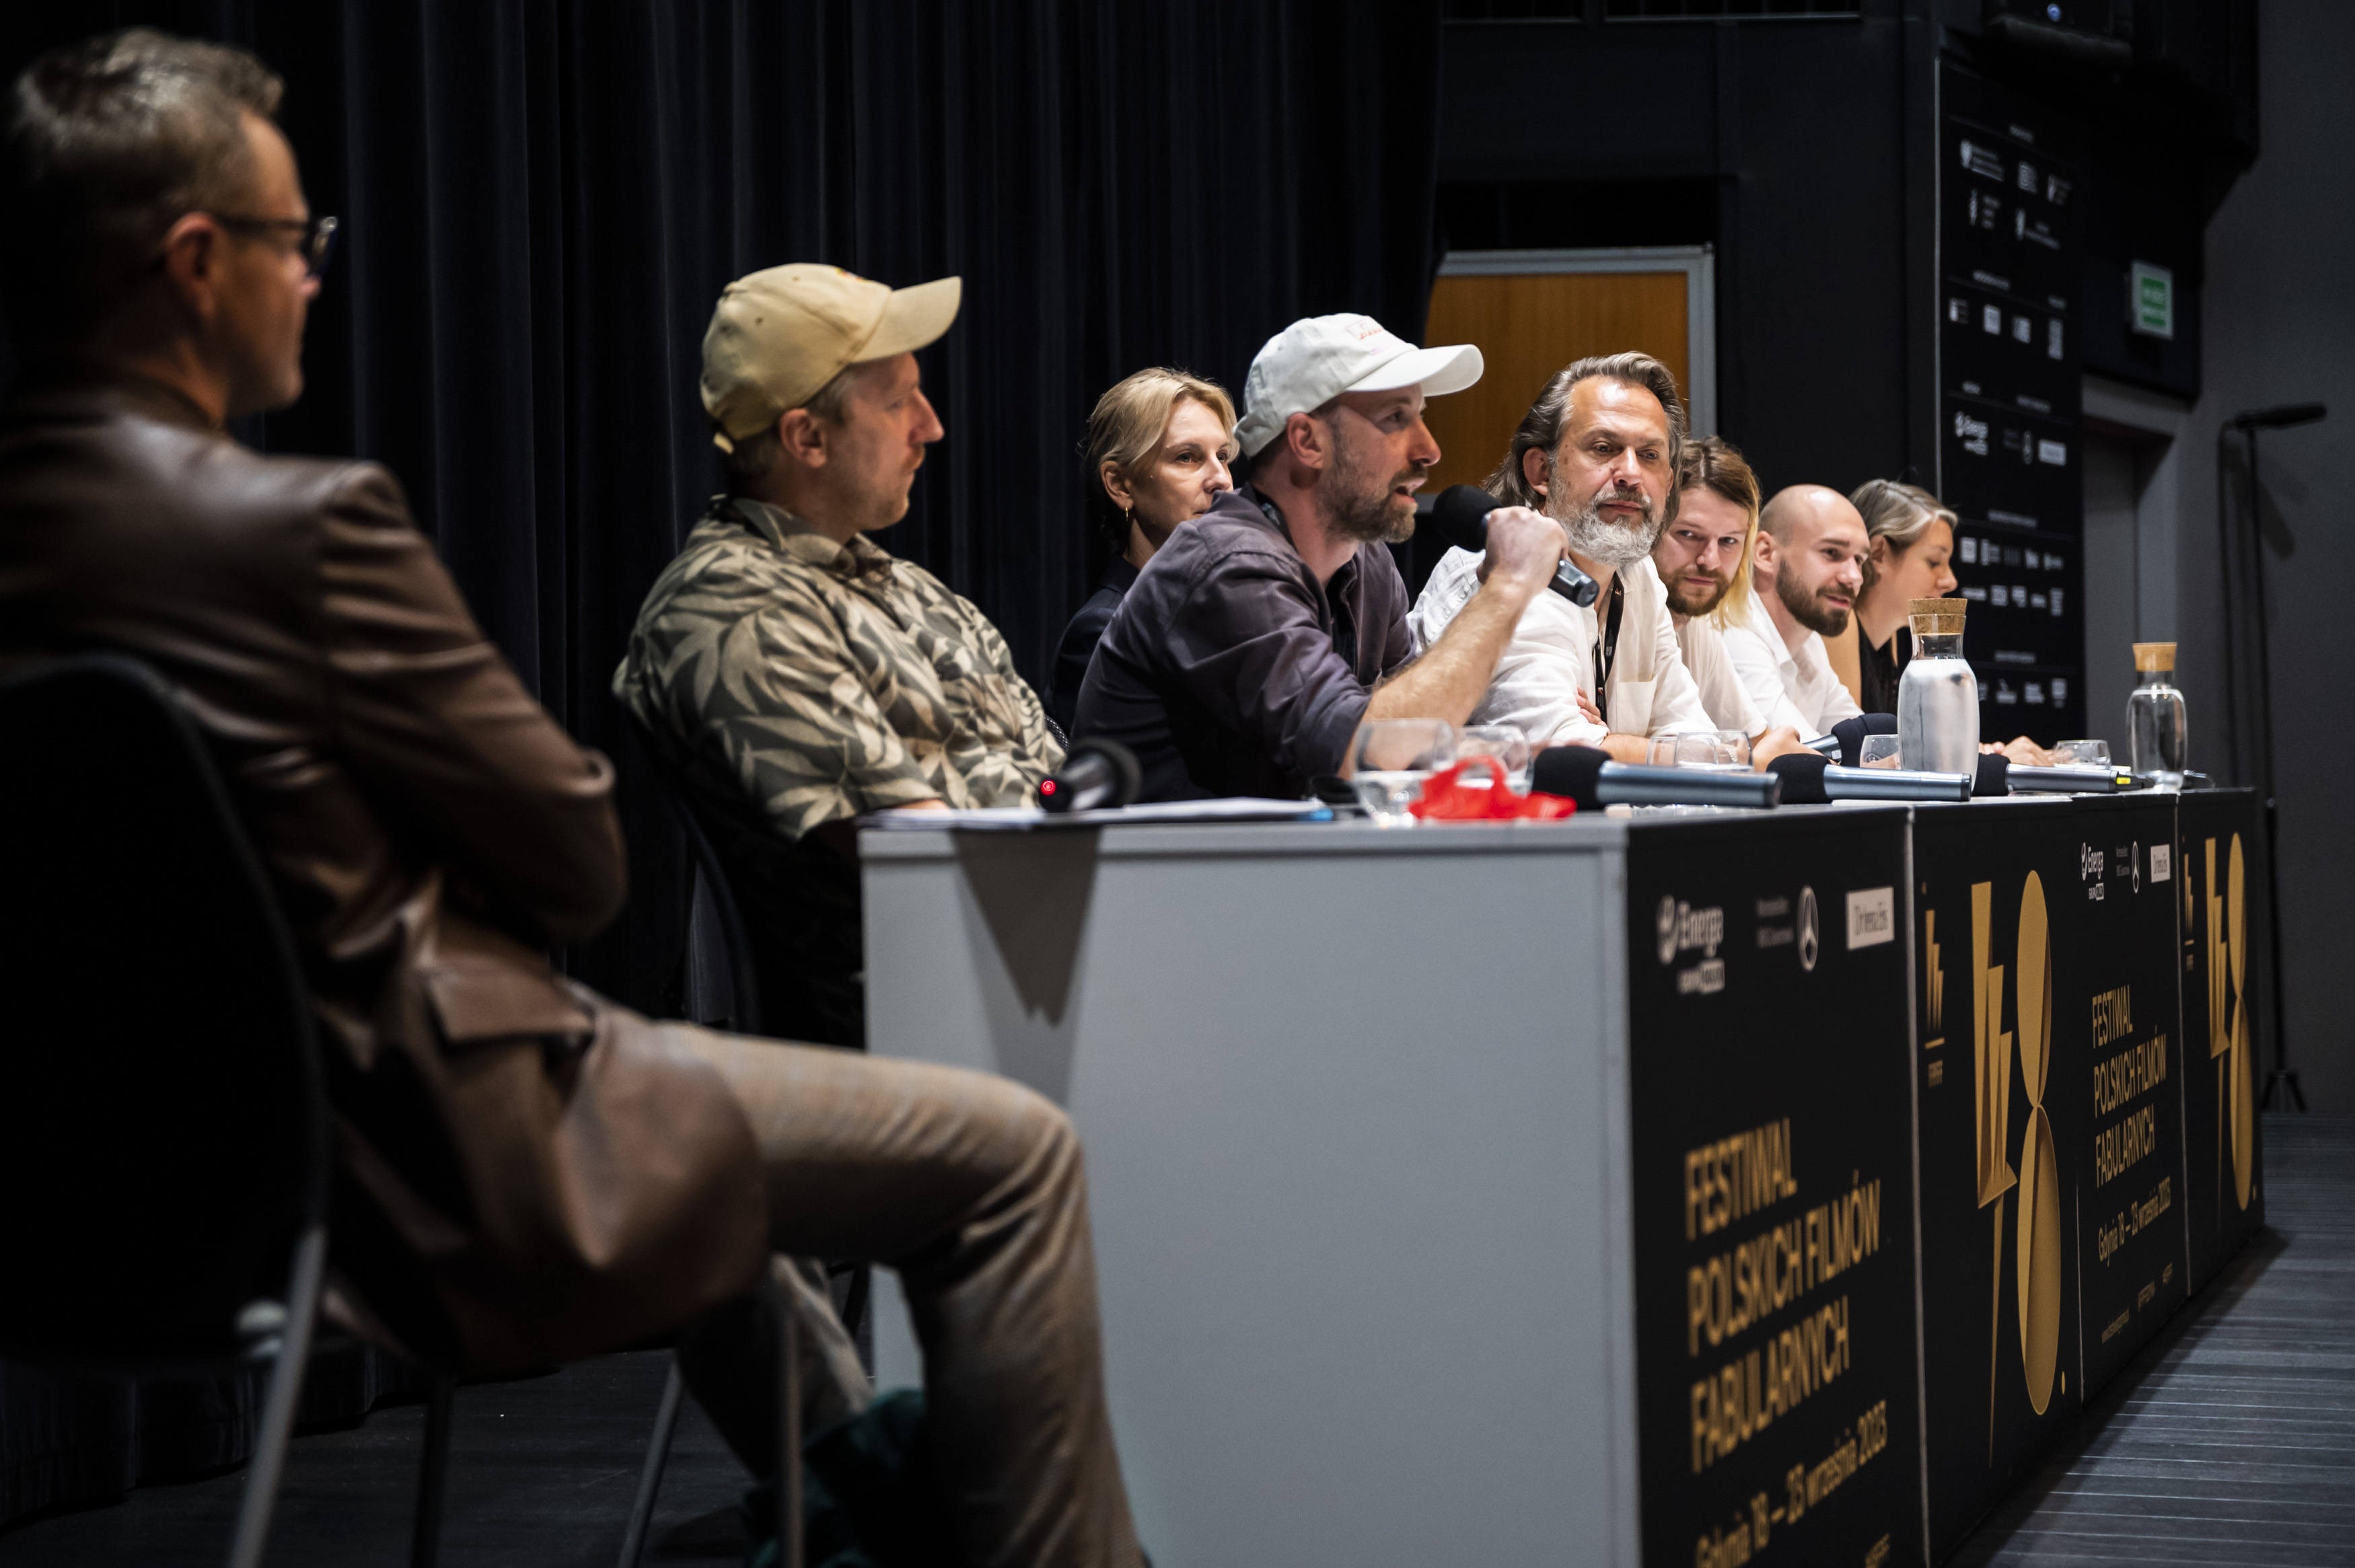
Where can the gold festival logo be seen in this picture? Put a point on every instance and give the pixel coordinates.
(2037, 1238)
(2228, 1017)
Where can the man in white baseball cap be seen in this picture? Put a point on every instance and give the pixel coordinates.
(1257, 640)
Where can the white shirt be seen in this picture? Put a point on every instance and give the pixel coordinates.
(1722, 696)
(1795, 689)
(1550, 658)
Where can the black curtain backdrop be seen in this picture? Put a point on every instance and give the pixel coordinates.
(541, 201)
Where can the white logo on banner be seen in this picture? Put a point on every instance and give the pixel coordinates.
(1871, 917)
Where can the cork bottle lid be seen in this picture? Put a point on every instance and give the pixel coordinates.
(2154, 656)
(1937, 617)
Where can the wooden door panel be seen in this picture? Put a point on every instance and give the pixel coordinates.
(1530, 325)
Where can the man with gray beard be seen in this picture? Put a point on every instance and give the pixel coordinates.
(1598, 452)
(1257, 640)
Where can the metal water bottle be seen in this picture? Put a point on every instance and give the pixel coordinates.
(1937, 697)
(2155, 733)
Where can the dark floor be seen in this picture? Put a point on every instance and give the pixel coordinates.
(2230, 1441)
(541, 1472)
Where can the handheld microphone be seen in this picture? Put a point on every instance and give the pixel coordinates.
(1809, 781)
(2070, 778)
(2280, 417)
(1096, 772)
(1460, 513)
(1588, 776)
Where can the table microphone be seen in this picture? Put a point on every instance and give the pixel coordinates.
(1810, 780)
(1460, 513)
(1096, 772)
(2070, 778)
(1588, 776)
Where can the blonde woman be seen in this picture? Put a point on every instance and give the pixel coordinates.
(1911, 556)
(1159, 445)
(1912, 543)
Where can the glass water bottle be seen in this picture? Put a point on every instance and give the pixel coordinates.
(1937, 697)
(2154, 735)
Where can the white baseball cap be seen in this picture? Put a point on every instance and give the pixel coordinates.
(1317, 359)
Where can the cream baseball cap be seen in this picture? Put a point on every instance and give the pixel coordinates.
(1317, 359)
(778, 335)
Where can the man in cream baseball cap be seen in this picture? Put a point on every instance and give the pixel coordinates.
(795, 674)
(1248, 650)
(779, 336)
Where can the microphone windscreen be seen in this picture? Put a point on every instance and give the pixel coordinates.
(1571, 770)
(1802, 773)
(1995, 774)
(1851, 733)
(1097, 772)
(1461, 515)
(1128, 774)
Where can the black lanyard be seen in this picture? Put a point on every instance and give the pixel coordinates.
(1607, 649)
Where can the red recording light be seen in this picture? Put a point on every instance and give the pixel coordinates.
(1046, 786)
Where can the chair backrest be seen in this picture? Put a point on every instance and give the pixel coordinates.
(712, 909)
(163, 1134)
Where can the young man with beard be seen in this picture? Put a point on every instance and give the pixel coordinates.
(1703, 559)
(1598, 452)
(1247, 653)
(1807, 569)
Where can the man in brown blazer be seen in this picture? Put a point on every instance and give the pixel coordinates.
(527, 1171)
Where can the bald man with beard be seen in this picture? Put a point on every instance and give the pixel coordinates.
(1806, 570)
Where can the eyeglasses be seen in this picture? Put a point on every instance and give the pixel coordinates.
(317, 244)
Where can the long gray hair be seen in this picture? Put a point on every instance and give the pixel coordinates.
(1541, 428)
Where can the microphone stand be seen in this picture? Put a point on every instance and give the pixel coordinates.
(2282, 1088)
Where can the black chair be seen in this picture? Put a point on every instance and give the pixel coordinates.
(721, 989)
(163, 1127)
(163, 1133)
(733, 983)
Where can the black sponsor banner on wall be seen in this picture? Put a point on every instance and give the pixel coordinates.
(1996, 943)
(2221, 908)
(1776, 1357)
(2011, 457)
(2118, 1045)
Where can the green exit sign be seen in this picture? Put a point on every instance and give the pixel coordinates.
(2150, 299)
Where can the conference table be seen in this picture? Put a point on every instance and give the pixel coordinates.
(1673, 1186)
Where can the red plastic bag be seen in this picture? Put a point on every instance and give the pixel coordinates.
(1446, 798)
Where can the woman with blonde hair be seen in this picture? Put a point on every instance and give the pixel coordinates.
(1912, 543)
(1159, 445)
(1912, 549)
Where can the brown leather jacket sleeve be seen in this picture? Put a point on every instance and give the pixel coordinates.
(436, 722)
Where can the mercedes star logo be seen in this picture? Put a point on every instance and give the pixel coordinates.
(1809, 942)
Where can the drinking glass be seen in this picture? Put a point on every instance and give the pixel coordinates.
(1391, 760)
(1878, 751)
(1508, 745)
(2087, 753)
(1712, 750)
